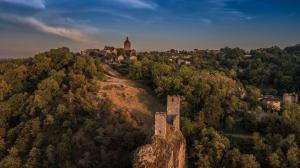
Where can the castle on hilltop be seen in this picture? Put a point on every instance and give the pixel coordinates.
(114, 55)
(169, 118)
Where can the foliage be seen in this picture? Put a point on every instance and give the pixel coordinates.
(222, 90)
(50, 115)
(212, 150)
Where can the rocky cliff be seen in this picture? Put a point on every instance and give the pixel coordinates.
(166, 152)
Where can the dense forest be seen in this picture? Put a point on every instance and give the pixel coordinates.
(221, 94)
(50, 115)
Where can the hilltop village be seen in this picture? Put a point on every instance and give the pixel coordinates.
(113, 55)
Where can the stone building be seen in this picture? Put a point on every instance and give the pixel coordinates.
(125, 54)
(169, 118)
(133, 58)
(168, 146)
(173, 111)
(272, 101)
(120, 58)
(110, 50)
(161, 124)
(290, 98)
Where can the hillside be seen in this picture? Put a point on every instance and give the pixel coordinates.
(130, 97)
(60, 109)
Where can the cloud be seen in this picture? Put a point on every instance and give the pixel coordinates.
(222, 9)
(223, 3)
(138, 4)
(194, 19)
(206, 21)
(69, 33)
(234, 14)
(30, 3)
(111, 12)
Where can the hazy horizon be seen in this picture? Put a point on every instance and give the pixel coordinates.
(32, 26)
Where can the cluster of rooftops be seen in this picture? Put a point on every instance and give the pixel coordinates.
(114, 54)
(128, 54)
(276, 103)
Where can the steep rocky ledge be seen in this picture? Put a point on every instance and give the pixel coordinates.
(167, 147)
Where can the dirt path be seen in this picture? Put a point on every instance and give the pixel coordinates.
(131, 97)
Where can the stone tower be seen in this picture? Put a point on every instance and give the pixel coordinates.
(168, 147)
(161, 124)
(173, 111)
(127, 45)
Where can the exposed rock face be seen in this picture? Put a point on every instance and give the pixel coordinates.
(166, 152)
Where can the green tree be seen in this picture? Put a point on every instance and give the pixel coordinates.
(229, 122)
(12, 160)
(275, 160)
(5, 89)
(293, 156)
(33, 160)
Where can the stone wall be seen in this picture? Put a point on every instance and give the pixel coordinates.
(160, 124)
(173, 105)
(173, 111)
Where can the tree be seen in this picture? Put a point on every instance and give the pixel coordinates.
(33, 160)
(5, 89)
(50, 154)
(2, 145)
(210, 148)
(275, 160)
(229, 122)
(12, 160)
(293, 156)
(248, 161)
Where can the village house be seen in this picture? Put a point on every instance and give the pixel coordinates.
(120, 58)
(110, 50)
(291, 98)
(133, 58)
(271, 101)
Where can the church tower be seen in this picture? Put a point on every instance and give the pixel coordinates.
(127, 45)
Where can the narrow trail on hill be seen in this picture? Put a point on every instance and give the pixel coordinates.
(131, 97)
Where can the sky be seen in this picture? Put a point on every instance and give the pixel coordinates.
(28, 27)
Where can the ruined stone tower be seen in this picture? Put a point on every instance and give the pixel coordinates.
(160, 124)
(173, 111)
(171, 117)
(168, 147)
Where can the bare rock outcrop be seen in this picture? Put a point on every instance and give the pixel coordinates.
(166, 152)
